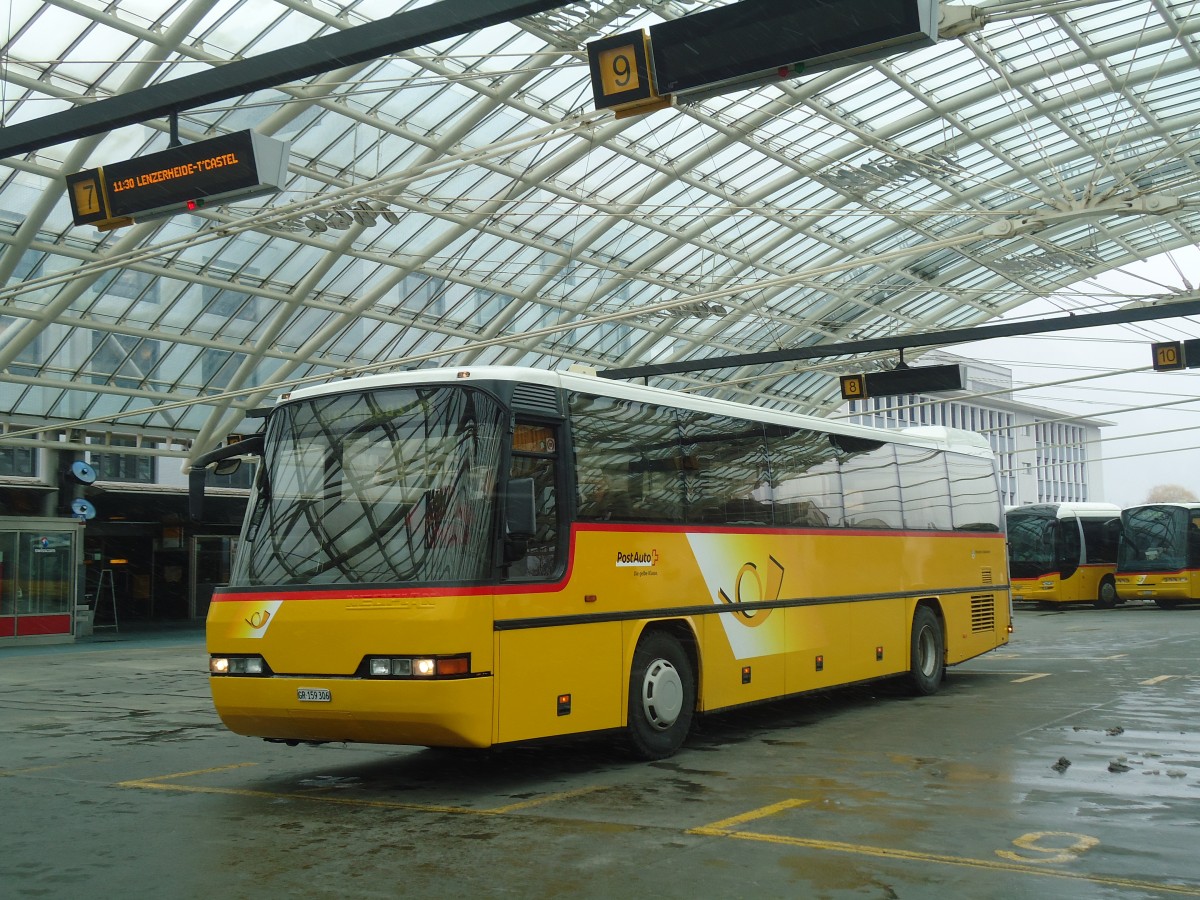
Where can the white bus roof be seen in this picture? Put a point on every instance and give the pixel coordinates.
(1182, 504)
(933, 437)
(1068, 510)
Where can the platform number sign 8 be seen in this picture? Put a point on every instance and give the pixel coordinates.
(854, 387)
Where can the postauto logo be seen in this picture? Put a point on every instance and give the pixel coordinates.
(641, 558)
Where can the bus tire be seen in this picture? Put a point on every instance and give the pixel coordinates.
(1106, 594)
(1163, 603)
(927, 660)
(662, 697)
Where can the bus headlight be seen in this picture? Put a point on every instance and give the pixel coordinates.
(236, 665)
(388, 667)
(417, 666)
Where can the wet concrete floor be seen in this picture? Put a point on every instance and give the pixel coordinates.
(1066, 765)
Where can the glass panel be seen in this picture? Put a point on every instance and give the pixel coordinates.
(628, 460)
(805, 478)
(1153, 538)
(541, 553)
(8, 575)
(44, 573)
(130, 467)
(924, 488)
(975, 490)
(725, 474)
(18, 461)
(381, 487)
(1100, 540)
(871, 486)
(1030, 543)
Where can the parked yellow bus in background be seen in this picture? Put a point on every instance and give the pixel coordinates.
(1159, 558)
(478, 556)
(1064, 553)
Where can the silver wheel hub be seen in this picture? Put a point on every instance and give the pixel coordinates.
(926, 652)
(662, 694)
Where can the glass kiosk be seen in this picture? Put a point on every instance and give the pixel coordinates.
(40, 565)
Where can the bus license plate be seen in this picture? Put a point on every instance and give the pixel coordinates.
(314, 695)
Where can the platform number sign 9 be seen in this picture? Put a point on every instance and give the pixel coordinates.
(620, 70)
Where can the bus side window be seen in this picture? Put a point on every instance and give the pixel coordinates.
(535, 455)
(1193, 543)
(973, 489)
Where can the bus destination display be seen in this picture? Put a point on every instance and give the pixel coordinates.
(180, 179)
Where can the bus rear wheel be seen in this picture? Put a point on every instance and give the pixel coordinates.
(928, 653)
(1106, 594)
(662, 697)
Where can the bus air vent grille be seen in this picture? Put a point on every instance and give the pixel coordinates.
(986, 575)
(983, 612)
(540, 398)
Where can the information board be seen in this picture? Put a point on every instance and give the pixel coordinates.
(207, 173)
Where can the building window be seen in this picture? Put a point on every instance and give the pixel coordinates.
(18, 461)
(129, 467)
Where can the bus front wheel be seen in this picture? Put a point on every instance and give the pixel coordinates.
(1106, 594)
(662, 696)
(928, 652)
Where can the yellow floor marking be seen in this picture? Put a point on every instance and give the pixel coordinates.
(762, 813)
(724, 829)
(148, 782)
(157, 783)
(313, 797)
(1033, 677)
(12, 773)
(541, 801)
(1159, 680)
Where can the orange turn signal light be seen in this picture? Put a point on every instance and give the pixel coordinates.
(454, 665)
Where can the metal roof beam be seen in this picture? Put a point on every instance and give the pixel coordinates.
(394, 34)
(1151, 312)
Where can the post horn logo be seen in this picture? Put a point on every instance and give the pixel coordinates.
(754, 615)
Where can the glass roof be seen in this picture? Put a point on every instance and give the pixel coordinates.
(465, 202)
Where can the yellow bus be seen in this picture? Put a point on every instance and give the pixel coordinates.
(1064, 553)
(1159, 556)
(479, 556)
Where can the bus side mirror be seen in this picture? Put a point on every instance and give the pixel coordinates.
(520, 510)
(227, 466)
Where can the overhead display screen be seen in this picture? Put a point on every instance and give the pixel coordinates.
(732, 42)
(180, 179)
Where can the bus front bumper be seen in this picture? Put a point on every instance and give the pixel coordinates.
(435, 713)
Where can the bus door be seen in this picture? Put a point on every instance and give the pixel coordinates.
(1068, 552)
(557, 672)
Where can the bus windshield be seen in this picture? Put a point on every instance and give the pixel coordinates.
(1030, 544)
(394, 486)
(1153, 538)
